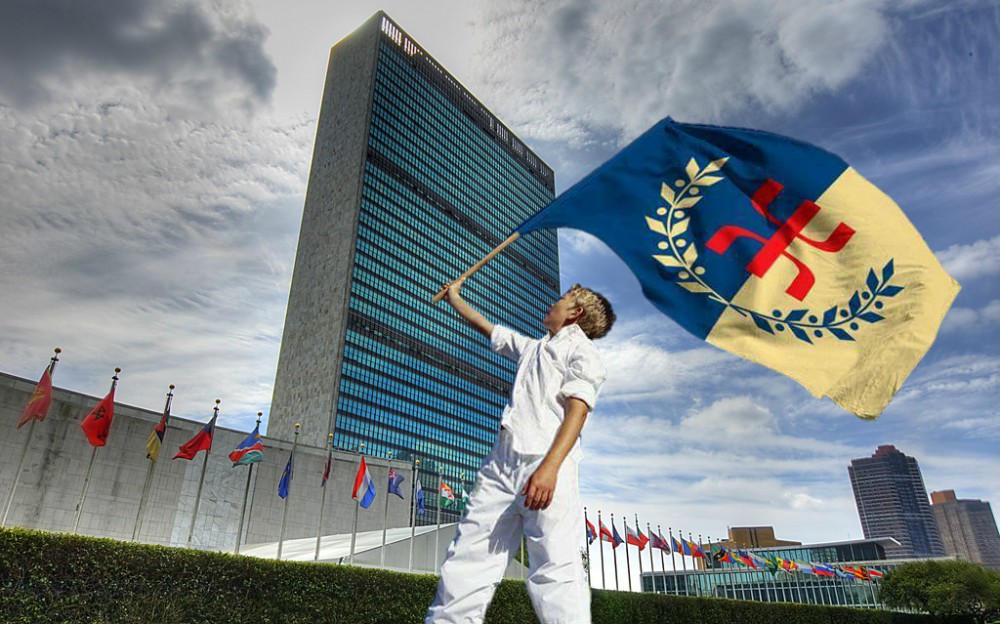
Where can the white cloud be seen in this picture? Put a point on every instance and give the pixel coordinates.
(563, 70)
(963, 319)
(966, 262)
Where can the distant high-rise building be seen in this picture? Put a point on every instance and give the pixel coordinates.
(755, 537)
(413, 180)
(892, 502)
(968, 528)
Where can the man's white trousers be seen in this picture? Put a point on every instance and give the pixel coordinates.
(490, 533)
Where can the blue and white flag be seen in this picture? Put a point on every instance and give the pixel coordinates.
(420, 499)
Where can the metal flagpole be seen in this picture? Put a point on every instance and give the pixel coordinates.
(673, 556)
(437, 534)
(600, 545)
(385, 514)
(201, 484)
(24, 449)
(357, 507)
(586, 541)
(628, 563)
(680, 537)
(614, 550)
(284, 512)
(246, 495)
(322, 499)
(521, 569)
(694, 565)
(149, 471)
(652, 575)
(90, 469)
(638, 553)
(413, 511)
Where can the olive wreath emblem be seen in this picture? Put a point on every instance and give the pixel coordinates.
(680, 256)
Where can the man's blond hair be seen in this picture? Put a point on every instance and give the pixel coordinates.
(597, 317)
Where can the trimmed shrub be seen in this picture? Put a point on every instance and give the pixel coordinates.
(49, 578)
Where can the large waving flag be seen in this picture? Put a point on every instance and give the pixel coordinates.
(38, 405)
(250, 450)
(155, 440)
(769, 248)
(97, 424)
(657, 541)
(364, 487)
(617, 538)
(591, 532)
(202, 441)
(681, 546)
(690, 548)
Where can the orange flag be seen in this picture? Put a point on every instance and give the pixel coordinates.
(38, 405)
(98, 422)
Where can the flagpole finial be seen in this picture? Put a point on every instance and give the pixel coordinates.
(297, 427)
(217, 401)
(330, 437)
(172, 386)
(259, 416)
(389, 454)
(416, 461)
(58, 350)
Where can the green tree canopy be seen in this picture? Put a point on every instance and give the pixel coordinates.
(944, 588)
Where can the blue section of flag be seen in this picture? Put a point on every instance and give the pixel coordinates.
(250, 450)
(420, 500)
(395, 480)
(613, 202)
(617, 538)
(286, 479)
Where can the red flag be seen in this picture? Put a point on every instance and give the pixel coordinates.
(202, 441)
(98, 422)
(38, 405)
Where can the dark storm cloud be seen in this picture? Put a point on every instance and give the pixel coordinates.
(189, 47)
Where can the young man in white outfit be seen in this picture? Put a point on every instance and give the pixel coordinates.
(528, 483)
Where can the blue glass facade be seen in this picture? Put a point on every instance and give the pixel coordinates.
(443, 183)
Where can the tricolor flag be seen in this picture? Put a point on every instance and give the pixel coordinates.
(364, 487)
(769, 248)
(681, 546)
(448, 495)
(746, 559)
(395, 480)
(635, 538)
(155, 440)
(420, 499)
(38, 405)
(605, 533)
(873, 573)
(249, 451)
(97, 424)
(821, 569)
(693, 549)
(202, 441)
(285, 483)
(591, 532)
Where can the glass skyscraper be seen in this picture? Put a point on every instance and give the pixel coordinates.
(892, 502)
(413, 180)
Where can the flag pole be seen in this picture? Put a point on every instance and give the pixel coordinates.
(201, 484)
(586, 542)
(149, 474)
(354, 531)
(413, 511)
(652, 576)
(510, 239)
(437, 534)
(684, 566)
(385, 514)
(322, 499)
(90, 469)
(614, 549)
(284, 512)
(24, 449)
(628, 560)
(246, 495)
(601, 546)
(673, 561)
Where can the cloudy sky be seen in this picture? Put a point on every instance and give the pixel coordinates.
(153, 165)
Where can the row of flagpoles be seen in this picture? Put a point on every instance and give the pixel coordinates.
(97, 425)
(737, 559)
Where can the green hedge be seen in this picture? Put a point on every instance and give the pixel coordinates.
(56, 578)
